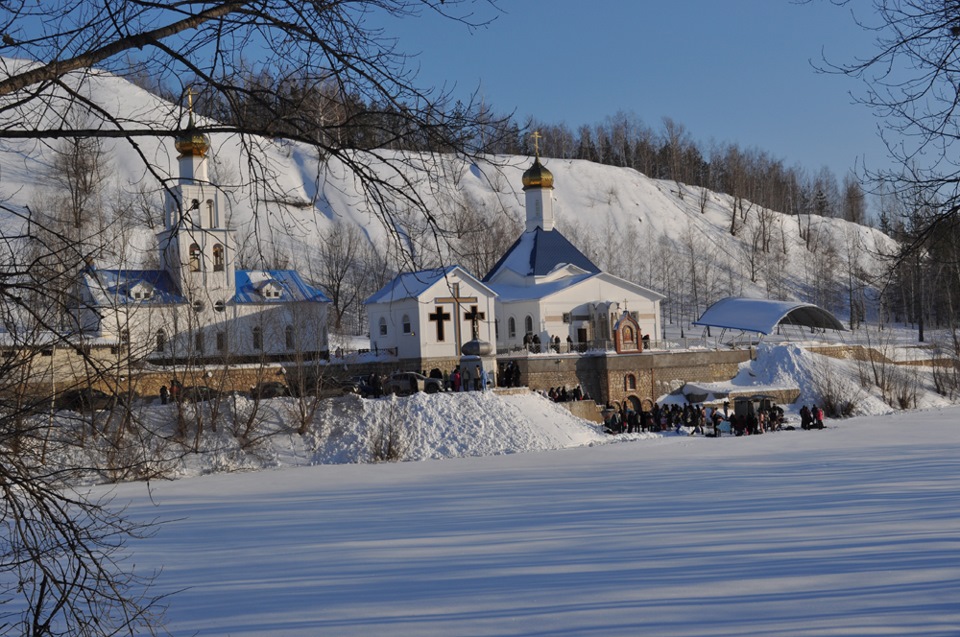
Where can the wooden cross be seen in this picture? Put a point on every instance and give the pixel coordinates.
(474, 316)
(440, 317)
(456, 299)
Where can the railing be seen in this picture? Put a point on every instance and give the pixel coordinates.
(599, 347)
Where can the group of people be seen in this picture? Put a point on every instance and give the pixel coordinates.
(464, 380)
(561, 395)
(811, 418)
(509, 374)
(696, 419)
(533, 344)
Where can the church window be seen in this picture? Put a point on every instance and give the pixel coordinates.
(630, 382)
(257, 338)
(566, 317)
(161, 340)
(528, 324)
(496, 328)
(125, 336)
(221, 341)
(198, 342)
(288, 337)
(194, 258)
(512, 327)
(383, 326)
(198, 306)
(218, 261)
(220, 306)
(210, 215)
(406, 324)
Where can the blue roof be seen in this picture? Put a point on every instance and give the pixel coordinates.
(539, 252)
(409, 285)
(116, 285)
(250, 282)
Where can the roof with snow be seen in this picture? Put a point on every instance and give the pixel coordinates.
(251, 283)
(411, 285)
(508, 293)
(111, 287)
(538, 253)
(763, 315)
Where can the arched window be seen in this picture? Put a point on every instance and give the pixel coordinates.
(218, 258)
(630, 382)
(194, 257)
(383, 326)
(161, 340)
(528, 324)
(210, 214)
(406, 324)
(257, 338)
(288, 337)
(512, 327)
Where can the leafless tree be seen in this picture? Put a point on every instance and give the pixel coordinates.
(322, 77)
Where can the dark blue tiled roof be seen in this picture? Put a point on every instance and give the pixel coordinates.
(248, 284)
(117, 283)
(539, 252)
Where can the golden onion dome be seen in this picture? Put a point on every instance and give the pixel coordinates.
(537, 176)
(191, 141)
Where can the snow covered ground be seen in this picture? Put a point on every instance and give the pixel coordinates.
(512, 517)
(854, 530)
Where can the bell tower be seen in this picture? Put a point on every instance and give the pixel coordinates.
(196, 247)
(538, 188)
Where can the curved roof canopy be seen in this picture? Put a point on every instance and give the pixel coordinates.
(763, 316)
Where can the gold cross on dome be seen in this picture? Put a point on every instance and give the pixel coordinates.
(190, 99)
(536, 142)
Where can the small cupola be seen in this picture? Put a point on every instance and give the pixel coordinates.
(190, 141)
(537, 176)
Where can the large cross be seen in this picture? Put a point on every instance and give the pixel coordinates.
(474, 316)
(536, 142)
(456, 299)
(440, 317)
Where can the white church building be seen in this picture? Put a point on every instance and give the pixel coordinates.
(543, 287)
(197, 306)
(548, 288)
(428, 315)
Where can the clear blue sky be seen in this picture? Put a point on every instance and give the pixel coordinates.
(729, 70)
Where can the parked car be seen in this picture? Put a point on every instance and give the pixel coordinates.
(85, 399)
(198, 394)
(270, 389)
(405, 383)
(357, 385)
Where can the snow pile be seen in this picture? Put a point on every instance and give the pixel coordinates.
(433, 426)
(246, 436)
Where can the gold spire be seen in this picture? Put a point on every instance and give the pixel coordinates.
(537, 176)
(191, 142)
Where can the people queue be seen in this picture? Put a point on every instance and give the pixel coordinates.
(697, 419)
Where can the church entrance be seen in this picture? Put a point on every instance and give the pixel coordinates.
(581, 335)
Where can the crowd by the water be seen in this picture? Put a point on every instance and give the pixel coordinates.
(696, 419)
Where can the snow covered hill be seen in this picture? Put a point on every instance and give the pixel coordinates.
(653, 232)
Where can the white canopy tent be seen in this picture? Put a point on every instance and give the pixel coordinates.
(763, 315)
